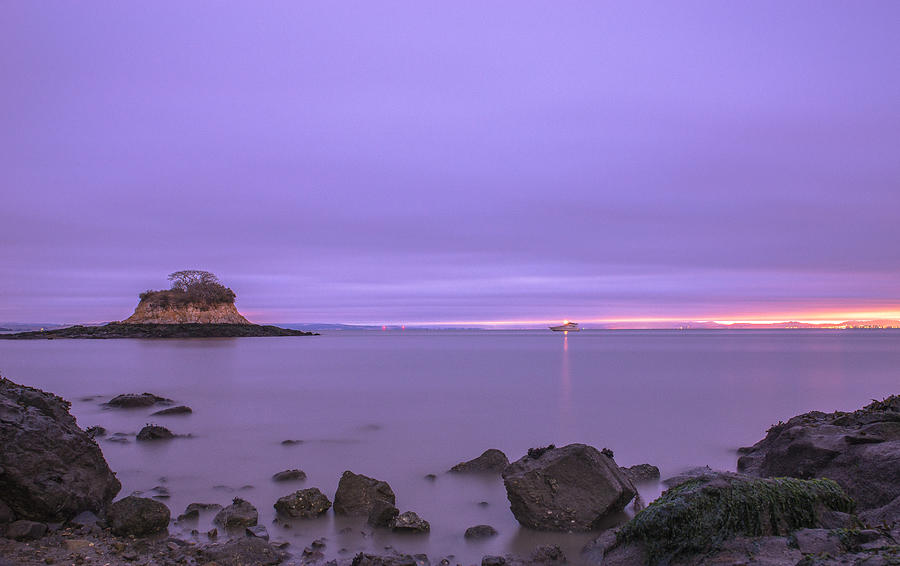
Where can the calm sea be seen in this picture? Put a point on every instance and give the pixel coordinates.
(399, 405)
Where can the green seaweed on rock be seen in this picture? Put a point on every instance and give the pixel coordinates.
(700, 514)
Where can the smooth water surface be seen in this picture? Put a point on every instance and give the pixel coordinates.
(400, 405)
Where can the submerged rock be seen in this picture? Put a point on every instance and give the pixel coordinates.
(179, 410)
(290, 475)
(137, 516)
(480, 531)
(239, 514)
(50, 470)
(154, 432)
(410, 522)
(356, 494)
(136, 400)
(697, 516)
(303, 504)
(245, 551)
(572, 488)
(858, 450)
(490, 461)
(641, 473)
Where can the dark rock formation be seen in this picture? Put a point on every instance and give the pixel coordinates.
(641, 473)
(859, 450)
(50, 470)
(137, 516)
(179, 410)
(697, 516)
(239, 514)
(290, 475)
(382, 514)
(6, 514)
(548, 554)
(571, 488)
(26, 530)
(410, 522)
(480, 531)
(363, 559)
(257, 531)
(137, 400)
(155, 432)
(356, 494)
(123, 330)
(303, 504)
(245, 551)
(490, 461)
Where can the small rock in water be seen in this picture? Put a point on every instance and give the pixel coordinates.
(483, 503)
(641, 473)
(239, 514)
(135, 400)
(178, 410)
(137, 516)
(304, 504)
(493, 561)
(410, 522)
(480, 531)
(291, 442)
(490, 461)
(290, 475)
(213, 533)
(257, 531)
(430, 477)
(95, 431)
(356, 494)
(154, 432)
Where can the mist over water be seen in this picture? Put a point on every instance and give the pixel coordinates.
(400, 405)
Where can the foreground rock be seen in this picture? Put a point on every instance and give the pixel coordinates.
(138, 516)
(303, 504)
(490, 461)
(700, 515)
(239, 514)
(246, 551)
(356, 494)
(137, 400)
(858, 450)
(572, 488)
(410, 522)
(480, 531)
(290, 475)
(50, 470)
(154, 432)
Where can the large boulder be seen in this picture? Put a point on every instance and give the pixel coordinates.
(303, 504)
(858, 450)
(490, 461)
(50, 470)
(702, 514)
(356, 494)
(572, 488)
(237, 515)
(137, 516)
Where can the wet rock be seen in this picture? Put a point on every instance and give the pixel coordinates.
(490, 461)
(290, 475)
(885, 515)
(858, 450)
(430, 477)
(480, 531)
(257, 531)
(572, 488)
(383, 514)
(291, 442)
(50, 470)
(548, 554)
(704, 472)
(239, 514)
(193, 510)
(409, 522)
(363, 559)
(356, 494)
(178, 410)
(641, 473)
(137, 516)
(491, 560)
(698, 515)
(6, 514)
(303, 504)
(817, 541)
(154, 432)
(84, 519)
(95, 431)
(136, 400)
(26, 530)
(246, 551)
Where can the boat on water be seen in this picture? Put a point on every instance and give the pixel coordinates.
(566, 327)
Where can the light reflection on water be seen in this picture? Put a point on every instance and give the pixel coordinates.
(398, 406)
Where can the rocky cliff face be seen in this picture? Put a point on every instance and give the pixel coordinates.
(197, 313)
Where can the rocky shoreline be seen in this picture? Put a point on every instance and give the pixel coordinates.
(820, 489)
(150, 330)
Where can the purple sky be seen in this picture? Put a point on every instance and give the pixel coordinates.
(470, 161)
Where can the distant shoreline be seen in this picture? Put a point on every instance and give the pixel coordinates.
(116, 330)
